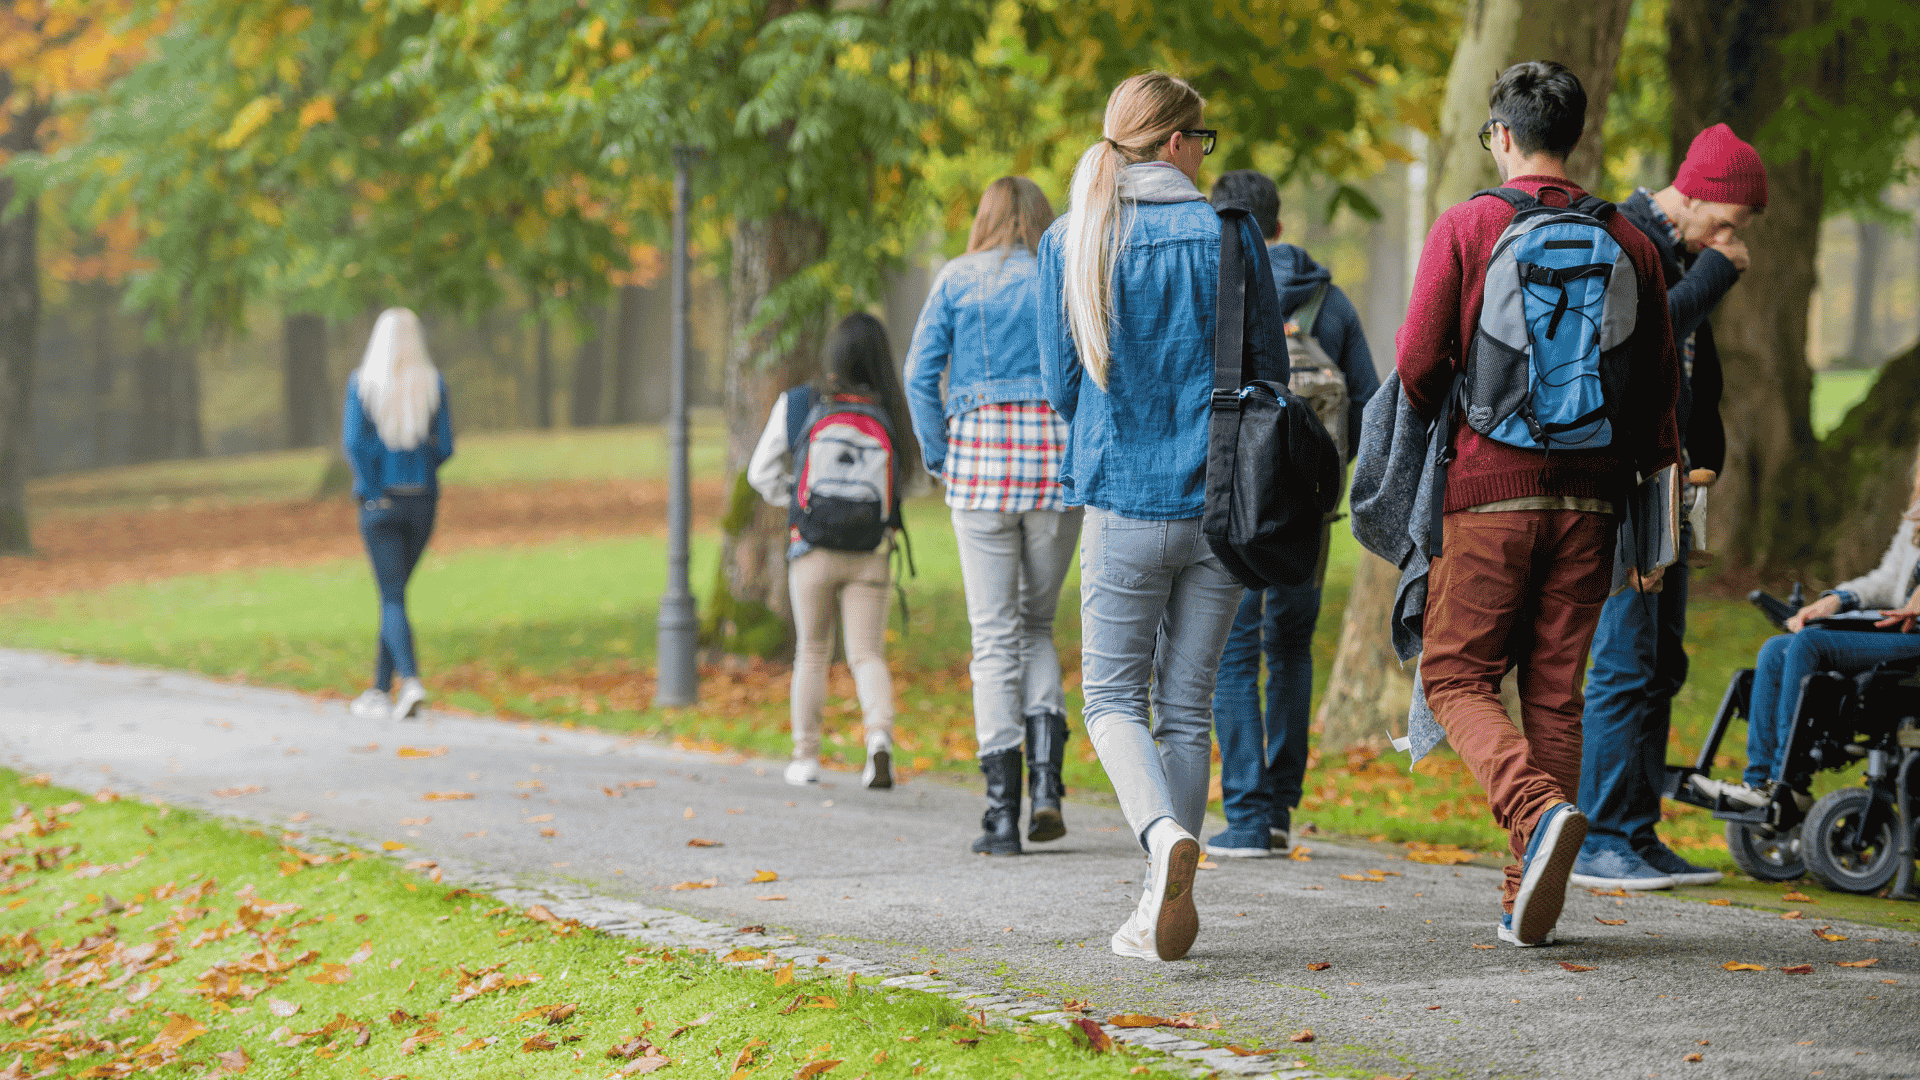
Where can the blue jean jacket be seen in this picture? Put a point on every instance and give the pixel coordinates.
(376, 467)
(979, 327)
(1139, 447)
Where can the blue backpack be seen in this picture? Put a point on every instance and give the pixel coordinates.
(1547, 369)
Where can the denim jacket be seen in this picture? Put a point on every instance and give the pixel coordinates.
(1139, 448)
(978, 326)
(376, 467)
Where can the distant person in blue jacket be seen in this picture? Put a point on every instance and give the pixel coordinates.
(1263, 758)
(397, 433)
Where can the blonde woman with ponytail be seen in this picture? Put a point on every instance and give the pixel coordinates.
(1128, 280)
(396, 434)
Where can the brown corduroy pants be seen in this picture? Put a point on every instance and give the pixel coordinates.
(1515, 589)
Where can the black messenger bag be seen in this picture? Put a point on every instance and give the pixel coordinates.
(1273, 472)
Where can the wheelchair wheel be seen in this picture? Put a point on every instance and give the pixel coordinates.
(1837, 855)
(1764, 857)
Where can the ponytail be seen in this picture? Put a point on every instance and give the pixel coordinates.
(1142, 113)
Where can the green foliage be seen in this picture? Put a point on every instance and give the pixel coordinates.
(1639, 125)
(1860, 140)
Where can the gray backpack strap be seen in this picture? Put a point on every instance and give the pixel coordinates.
(1307, 315)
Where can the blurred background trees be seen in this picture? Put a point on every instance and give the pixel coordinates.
(206, 202)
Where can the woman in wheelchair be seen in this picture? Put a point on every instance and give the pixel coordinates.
(1893, 588)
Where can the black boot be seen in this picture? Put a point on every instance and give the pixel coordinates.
(1001, 822)
(1046, 741)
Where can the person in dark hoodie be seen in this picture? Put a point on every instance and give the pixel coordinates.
(1263, 757)
(1638, 662)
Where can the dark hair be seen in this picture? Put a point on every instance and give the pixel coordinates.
(1250, 190)
(1542, 104)
(858, 360)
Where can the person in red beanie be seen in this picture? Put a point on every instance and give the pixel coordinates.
(1639, 662)
(1527, 536)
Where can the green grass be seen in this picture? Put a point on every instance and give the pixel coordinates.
(1834, 392)
(116, 967)
(492, 458)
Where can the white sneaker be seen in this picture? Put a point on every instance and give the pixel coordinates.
(371, 705)
(803, 771)
(879, 771)
(1734, 793)
(412, 695)
(1165, 923)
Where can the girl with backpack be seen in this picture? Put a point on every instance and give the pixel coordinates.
(396, 433)
(1129, 279)
(834, 454)
(996, 444)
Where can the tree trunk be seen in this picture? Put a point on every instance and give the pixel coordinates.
(1367, 692)
(1725, 66)
(1862, 348)
(1866, 469)
(588, 372)
(19, 325)
(106, 426)
(1585, 35)
(749, 612)
(304, 380)
(543, 373)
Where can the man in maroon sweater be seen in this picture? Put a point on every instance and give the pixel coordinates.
(1526, 557)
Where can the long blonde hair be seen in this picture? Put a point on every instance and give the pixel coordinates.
(398, 384)
(1013, 210)
(1142, 114)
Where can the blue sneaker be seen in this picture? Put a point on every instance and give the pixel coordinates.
(1507, 935)
(1237, 843)
(1551, 850)
(1662, 858)
(1612, 867)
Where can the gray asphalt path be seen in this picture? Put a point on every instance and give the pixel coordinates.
(886, 876)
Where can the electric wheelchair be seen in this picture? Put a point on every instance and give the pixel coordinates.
(1857, 839)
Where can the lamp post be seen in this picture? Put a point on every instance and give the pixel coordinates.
(677, 642)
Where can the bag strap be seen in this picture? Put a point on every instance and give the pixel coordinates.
(1230, 313)
(1307, 315)
(799, 409)
(1513, 197)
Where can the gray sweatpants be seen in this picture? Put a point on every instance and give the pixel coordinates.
(1156, 606)
(1013, 566)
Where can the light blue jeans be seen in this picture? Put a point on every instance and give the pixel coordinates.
(1013, 566)
(1155, 609)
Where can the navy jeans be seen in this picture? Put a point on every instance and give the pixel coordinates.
(1263, 759)
(1636, 666)
(396, 528)
(1786, 660)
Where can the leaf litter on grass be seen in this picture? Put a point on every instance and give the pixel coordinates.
(192, 970)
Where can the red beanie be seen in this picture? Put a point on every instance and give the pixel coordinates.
(1721, 168)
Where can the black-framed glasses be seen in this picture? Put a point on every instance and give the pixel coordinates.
(1486, 132)
(1207, 137)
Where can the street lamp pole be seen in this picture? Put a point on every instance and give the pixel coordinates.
(677, 643)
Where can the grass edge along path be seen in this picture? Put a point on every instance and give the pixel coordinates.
(335, 964)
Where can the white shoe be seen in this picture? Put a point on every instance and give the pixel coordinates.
(412, 695)
(1734, 793)
(371, 705)
(1165, 923)
(1505, 931)
(879, 771)
(803, 771)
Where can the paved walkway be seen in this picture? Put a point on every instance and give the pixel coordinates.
(885, 876)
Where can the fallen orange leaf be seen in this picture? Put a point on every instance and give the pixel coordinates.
(761, 877)
(538, 1042)
(446, 796)
(1798, 897)
(1797, 969)
(1792, 915)
(393, 845)
(1088, 1034)
(1692, 1057)
(775, 896)
(685, 885)
(1303, 1036)
(1575, 967)
(740, 955)
(331, 973)
(1737, 965)
(232, 1062)
(1857, 963)
(783, 976)
(1721, 902)
(421, 751)
(698, 842)
(1137, 1020)
(1609, 922)
(815, 1068)
(1825, 934)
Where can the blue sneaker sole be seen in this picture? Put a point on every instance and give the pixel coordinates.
(1543, 890)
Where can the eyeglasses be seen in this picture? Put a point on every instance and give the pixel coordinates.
(1207, 137)
(1486, 132)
